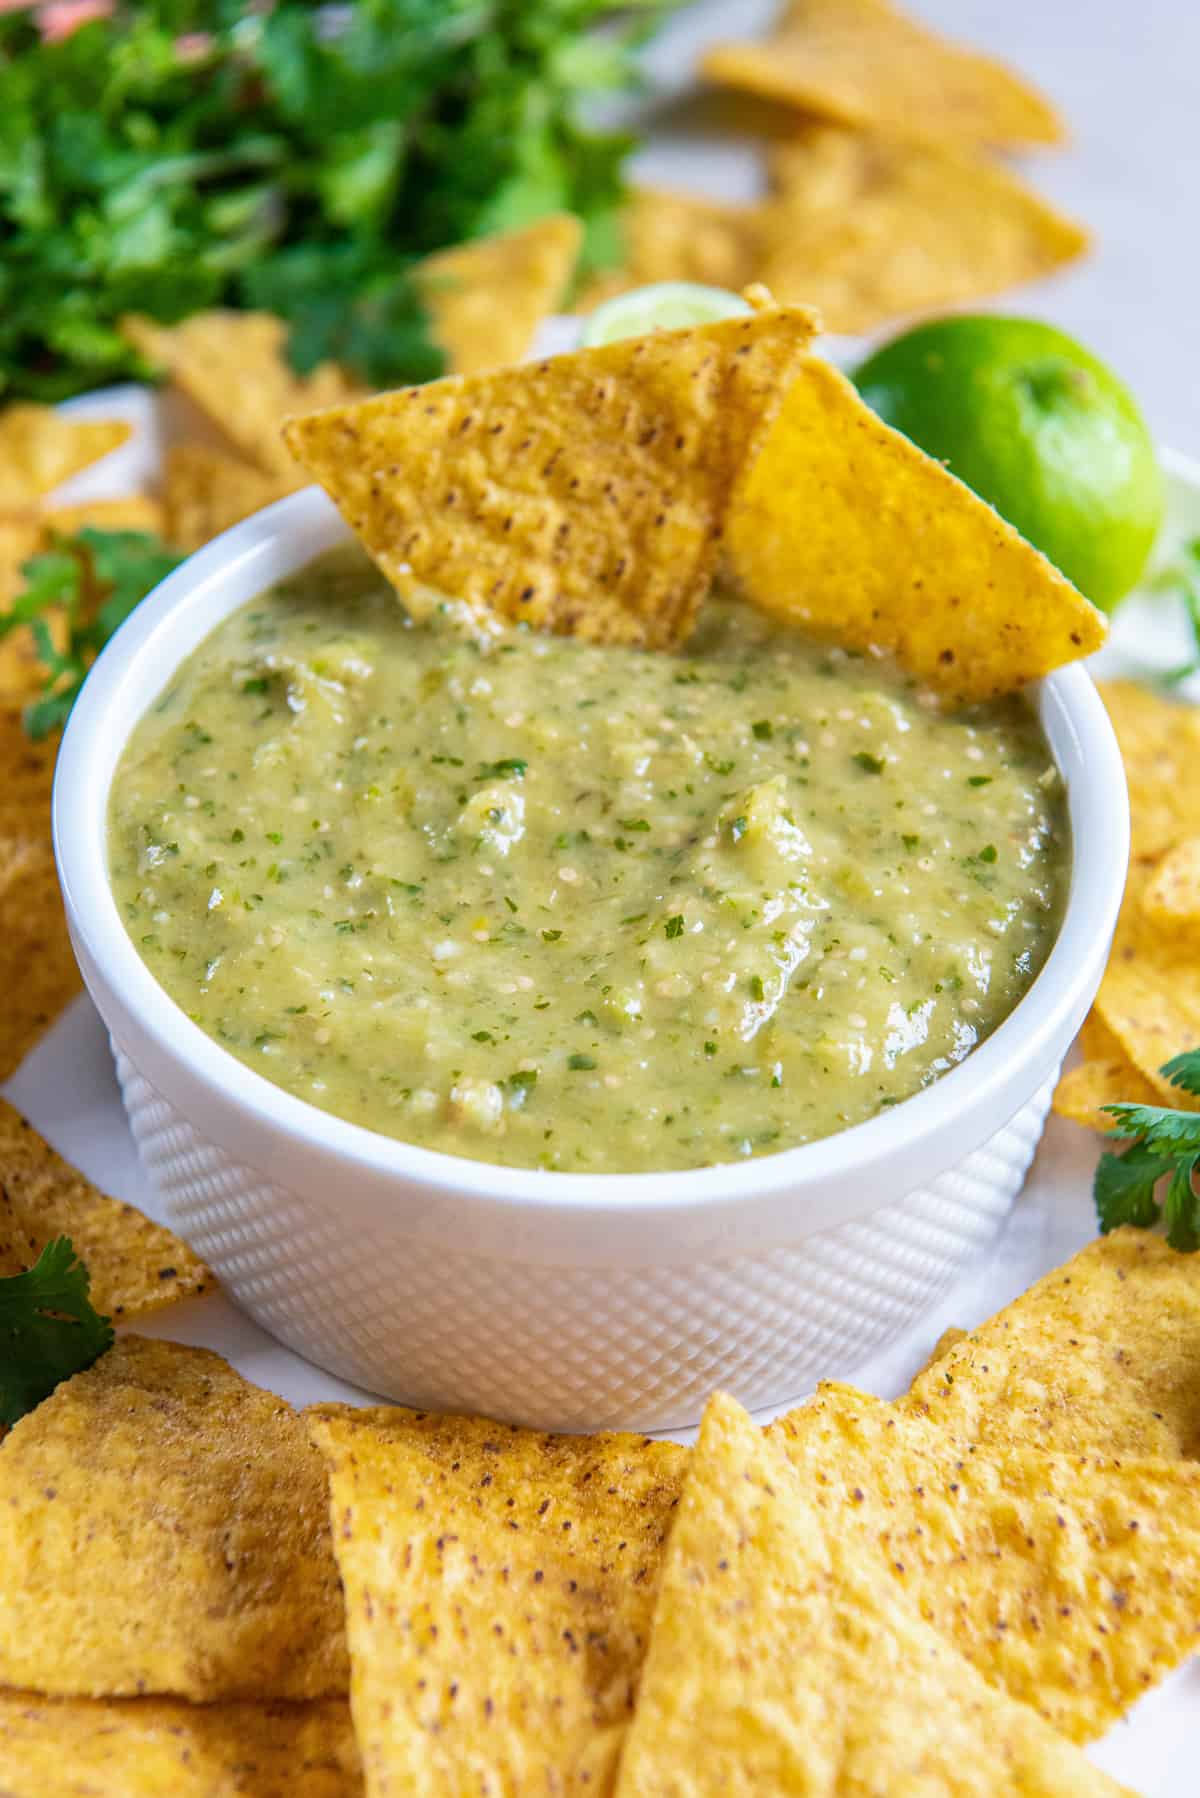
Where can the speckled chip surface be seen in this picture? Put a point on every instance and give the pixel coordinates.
(585, 494)
(164, 1529)
(499, 1586)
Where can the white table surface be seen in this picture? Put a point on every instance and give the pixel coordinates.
(1128, 76)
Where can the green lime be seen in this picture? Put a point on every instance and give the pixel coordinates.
(663, 306)
(1040, 428)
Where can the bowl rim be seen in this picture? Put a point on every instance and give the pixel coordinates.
(839, 1176)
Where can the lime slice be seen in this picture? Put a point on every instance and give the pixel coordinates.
(663, 306)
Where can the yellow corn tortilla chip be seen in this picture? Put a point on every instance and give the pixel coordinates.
(1160, 746)
(162, 1748)
(135, 1265)
(20, 669)
(849, 530)
(499, 1586)
(136, 512)
(1149, 997)
(1071, 1582)
(41, 447)
(206, 491)
(864, 63)
(486, 299)
(866, 227)
(1171, 901)
(38, 975)
(234, 367)
(164, 1529)
(583, 494)
(1096, 1041)
(784, 1660)
(1100, 1357)
(672, 236)
(1084, 1091)
(16, 1246)
(945, 1342)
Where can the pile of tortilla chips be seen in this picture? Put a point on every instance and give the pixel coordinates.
(207, 1593)
(1148, 1006)
(884, 195)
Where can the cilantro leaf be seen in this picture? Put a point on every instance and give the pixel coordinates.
(48, 1329)
(1184, 1070)
(1164, 1146)
(90, 582)
(1124, 1188)
(174, 156)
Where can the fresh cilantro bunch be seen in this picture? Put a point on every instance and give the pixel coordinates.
(76, 595)
(183, 154)
(48, 1329)
(1165, 1147)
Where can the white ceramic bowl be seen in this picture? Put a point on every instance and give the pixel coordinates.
(562, 1300)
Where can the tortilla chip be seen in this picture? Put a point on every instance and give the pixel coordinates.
(234, 367)
(486, 299)
(20, 670)
(499, 1587)
(784, 1660)
(41, 447)
(583, 494)
(136, 512)
(155, 1747)
(135, 1265)
(863, 63)
(1084, 1091)
(945, 1342)
(1171, 901)
(681, 237)
(205, 492)
(1100, 1357)
(38, 975)
(164, 1528)
(866, 227)
(847, 529)
(1160, 746)
(1070, 1582)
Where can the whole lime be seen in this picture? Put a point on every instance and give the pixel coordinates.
(1040, 428)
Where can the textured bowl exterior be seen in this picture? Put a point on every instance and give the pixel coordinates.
(563, 1300)
(572, 1347)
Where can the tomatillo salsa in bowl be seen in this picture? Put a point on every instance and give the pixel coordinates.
(574, 907)
(556, 1031)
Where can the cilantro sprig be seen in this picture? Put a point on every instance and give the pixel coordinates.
(1156, 1176)
(182, 154)
(75, 596)
(49, 1329)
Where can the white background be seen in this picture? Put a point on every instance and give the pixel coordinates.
(1127, 74)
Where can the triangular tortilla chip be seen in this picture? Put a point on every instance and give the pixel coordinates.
(135, 1265)
(164, 1528)
(1084, 1091)
(136, 512)
(486, 299)
(1100, 1357)
(20, 670)
(1160, 747)
(206, 491)
(681, 237)
(1071, 1582)
(782, 1661)
(866, 227)
(160, 1748)
(38, 975)
(583, 494)
(41, 447)
(499, 1586)
(1171, 901)
(846, 528)
(234, 367)
(861, 62)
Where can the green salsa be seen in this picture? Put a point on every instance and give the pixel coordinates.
(555, 905)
